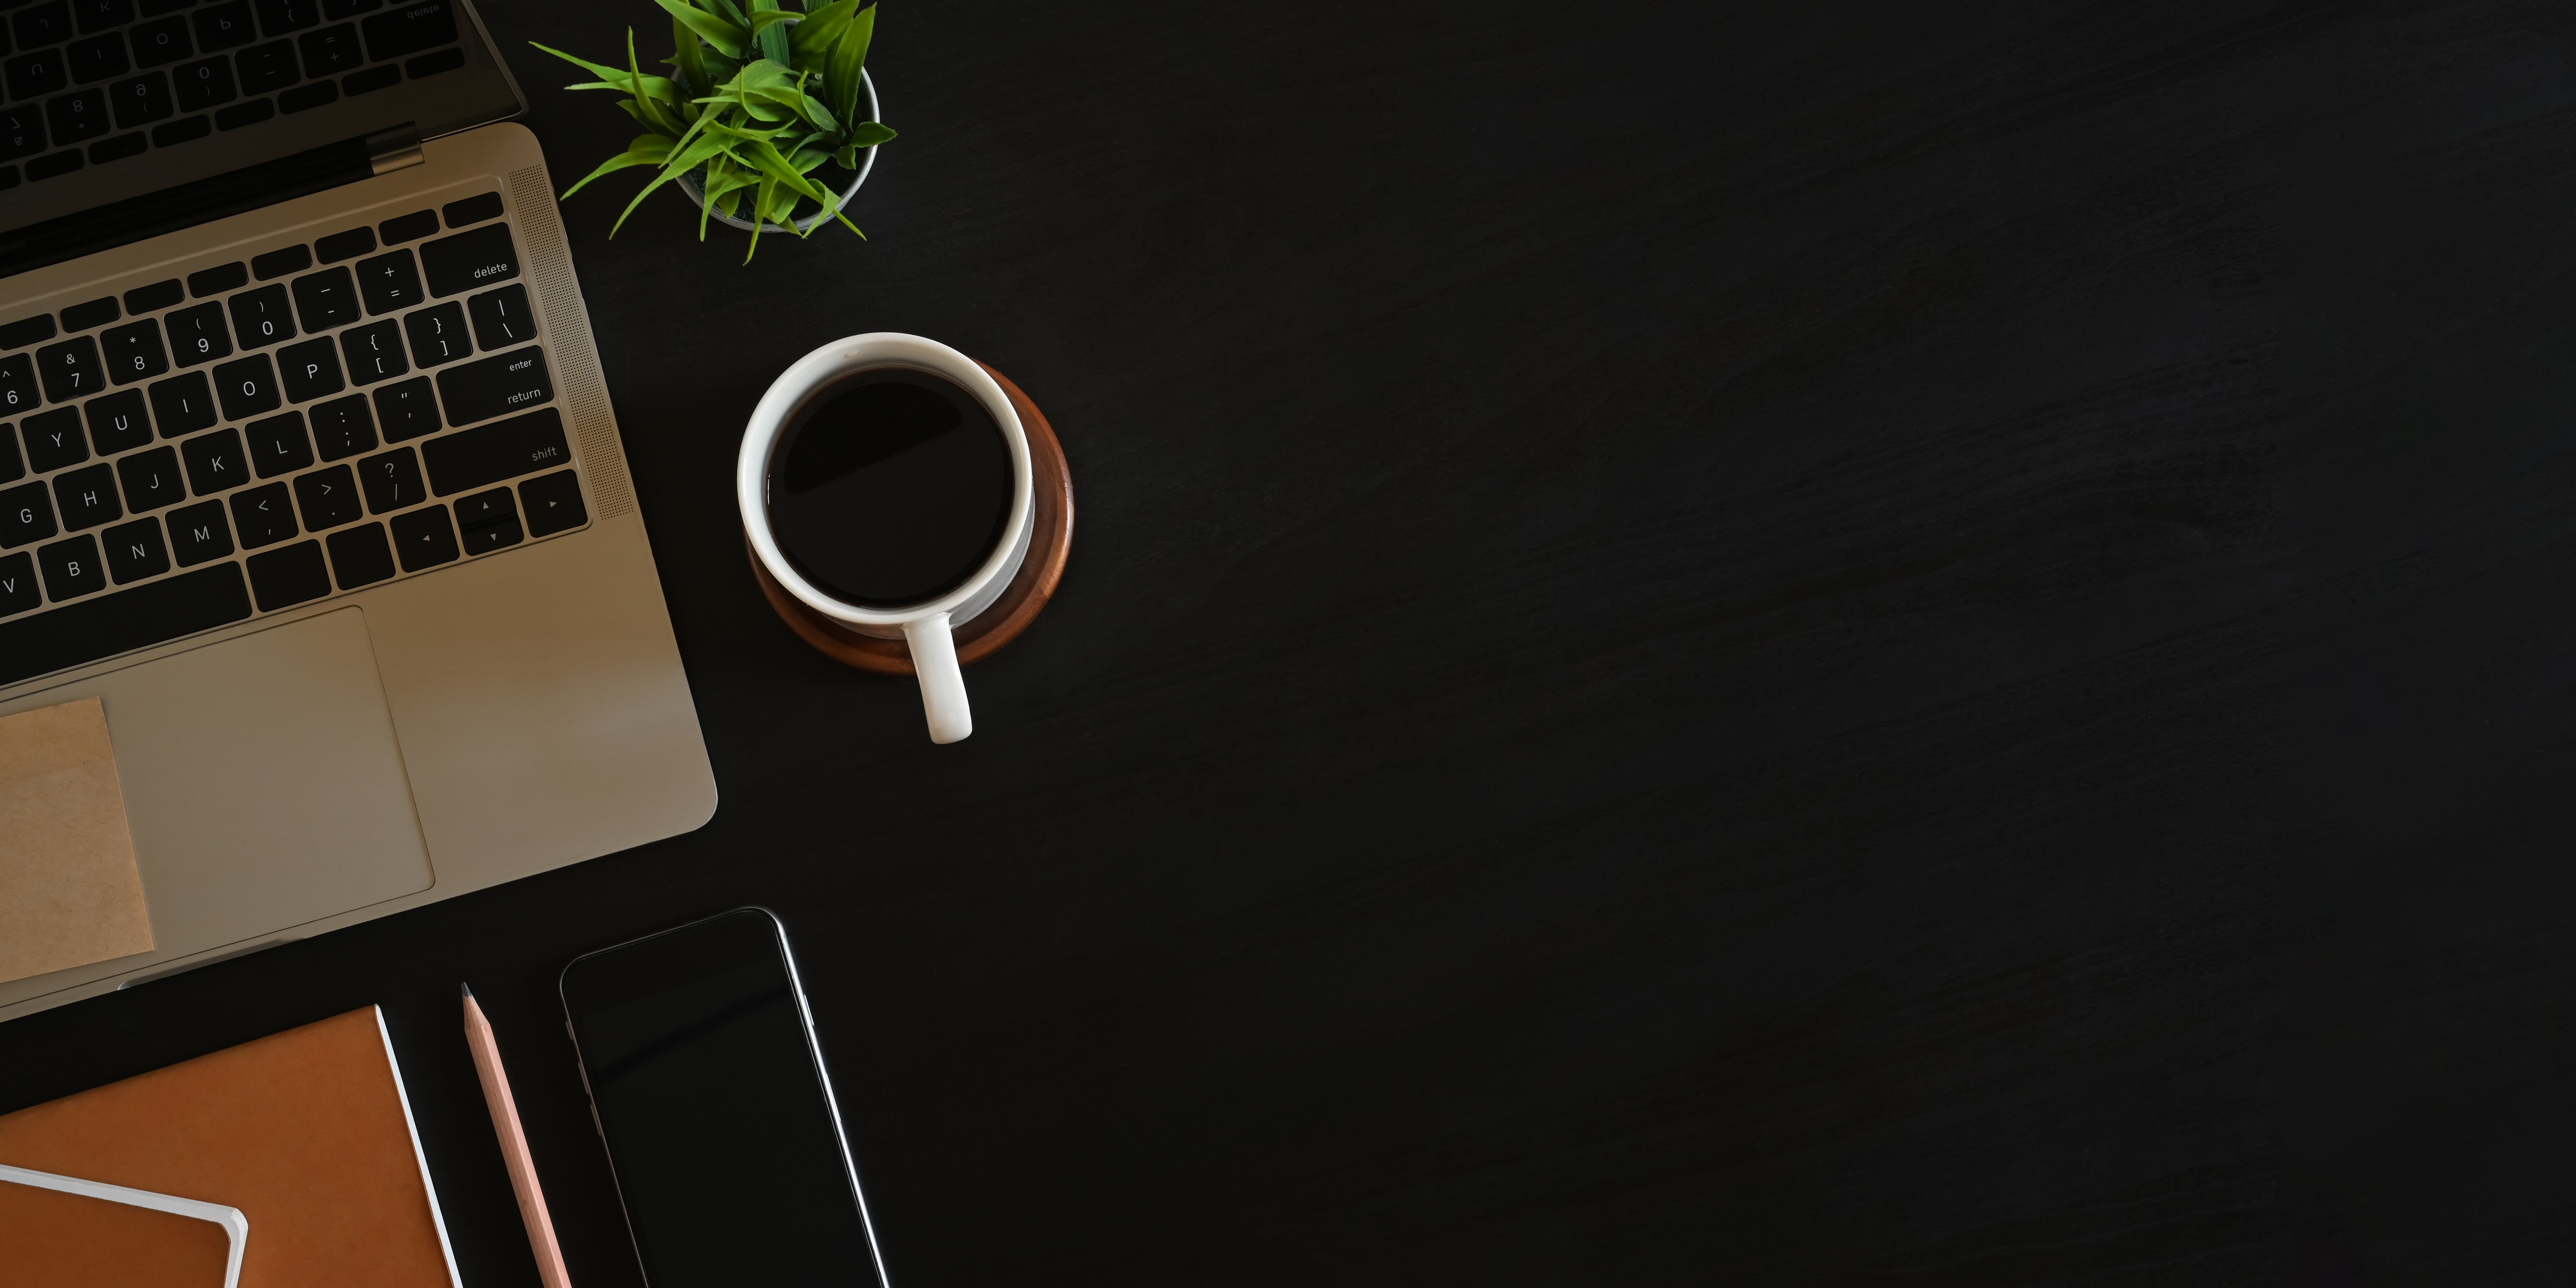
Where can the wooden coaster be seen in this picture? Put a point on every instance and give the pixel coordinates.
(1050, 540)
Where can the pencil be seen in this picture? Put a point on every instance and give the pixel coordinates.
(514, 1145)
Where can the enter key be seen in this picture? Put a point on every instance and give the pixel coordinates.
(488, 387)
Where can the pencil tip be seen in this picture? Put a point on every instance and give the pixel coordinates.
(465, 990)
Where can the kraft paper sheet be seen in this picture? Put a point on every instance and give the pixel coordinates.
(69, 891)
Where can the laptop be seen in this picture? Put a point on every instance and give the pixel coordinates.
(309, 473)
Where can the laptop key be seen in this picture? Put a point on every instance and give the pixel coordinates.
(99, 15)
(54, 165)
(278, 17)
(134, 550)
(214, 462)
(483, 257)
(327, 498)
(151, 480)
(342, 428)
(246, 387)
(18, 381)
(331, 51)
(183, 405)
(263, 516)
(488, 387)
(12, 468)
(18, 591)
(38, 73)
(223, 26)
(282, 261)
(391, 481)
(424, 539)
(310, 370)
(183, 130)
(77, 116)
(55, 440)
(153, 298)
(241, 114)
(46, 24)
(134, 351)
(159, 43)
(22, 132)
(70, 369)
(406, 410)
(278, 445)
(156, 8)
(141, 100)
(26, 514)
(71, 568)
(282, 578)
(153, 613)
(496, 452)
(410, 29)
(389, 282)
(198, 533)
(382, 76)
(197, 333)
(411, 227)
(360, 556)
(86, 498)
(501, 318)
(349, 8)
(98, 58)
(553, 503)
(485, 507)
(327, 299)
(374, 351)
(344, 245)
(117, 423)
(260, 317)
(90, 314)
(437, 334)
(206, 83)
(472, 210)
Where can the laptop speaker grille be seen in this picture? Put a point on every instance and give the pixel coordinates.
(585, 389)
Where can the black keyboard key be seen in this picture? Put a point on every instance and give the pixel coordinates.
(37, 73)
(134, 351)
(183, 405)
(360, 557)
(219, 279)
(156, 8)
(497, 452)
(493, 536)
(134, 550)
(279, 17)
(199, 533)
(278, 445)
(27, 331)
(283, 578)
(349, 8)
(392, 481)
(45, 24)
(344, 245)
(437, 334)
(327, 498)
(280, 262)
(308, 96)
(466, 261)
(26, 514)
(77, 116)
(342, 428)
(18, 591)
(99, 15)
(409, 29)
(484, 508)
(424, 539)
(198, 334)
(260, 318)
(331, 51)
(205, 83)
(151, 480)
(214, 463)
(310, 370)
(246, 387)
(383, 76)
(261, 516)
(472, 210)
(55, 440)
(54, 165)
(118, 148)
(71, 568)
(223, 26)
(327, 299)
(70, 369)
(403, 228)
(117, 423)
(22, 132)
(98, 58)
(92, 314)
(501, 318)
(18, 382)
(406, 410)
(157, 296)
(375, 352)
(86, 498)
(12, 467)
(183, 130)
(388, 282)
(159, 43)
(152, 613)
(241, 114)
(493, 386)
(427, 65)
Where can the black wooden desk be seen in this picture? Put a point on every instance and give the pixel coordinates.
(1706, 644)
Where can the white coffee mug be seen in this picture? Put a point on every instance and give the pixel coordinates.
(923, 627)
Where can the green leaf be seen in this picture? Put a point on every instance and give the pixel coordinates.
(647, 149)
(771, 37)
(868, 134)
(812, 40)
(689, 56)
(849, 59)
(652, 113)
(602, 71)
(731, 37)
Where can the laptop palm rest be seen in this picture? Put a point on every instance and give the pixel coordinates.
(263, 784)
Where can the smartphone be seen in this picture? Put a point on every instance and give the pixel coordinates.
(698, 1050)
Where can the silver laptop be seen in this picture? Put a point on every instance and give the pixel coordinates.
(308, 472)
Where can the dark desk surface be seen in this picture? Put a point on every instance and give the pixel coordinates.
(1737, 644)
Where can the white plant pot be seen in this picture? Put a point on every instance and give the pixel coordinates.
(690, 183)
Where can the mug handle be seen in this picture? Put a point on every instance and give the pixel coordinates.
(943, 688)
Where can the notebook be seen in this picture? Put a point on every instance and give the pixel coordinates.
(64, 1232)
(308, 1133)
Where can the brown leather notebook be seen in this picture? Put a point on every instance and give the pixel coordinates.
(306, 1131)
(50, 1239)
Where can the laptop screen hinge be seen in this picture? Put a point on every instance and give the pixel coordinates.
(394, 149)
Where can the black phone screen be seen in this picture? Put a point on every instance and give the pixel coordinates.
(717, 1112)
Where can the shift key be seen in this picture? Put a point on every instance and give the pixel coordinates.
(501, 450)
(485, 388)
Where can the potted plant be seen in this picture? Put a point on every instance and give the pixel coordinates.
(760, 100)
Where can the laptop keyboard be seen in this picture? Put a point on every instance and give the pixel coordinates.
(95, 82)
(321, 417)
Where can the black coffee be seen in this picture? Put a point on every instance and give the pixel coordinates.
(889, 487)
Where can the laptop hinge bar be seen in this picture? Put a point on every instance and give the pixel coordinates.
(394, 149)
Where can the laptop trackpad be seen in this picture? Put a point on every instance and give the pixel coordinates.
(263, 783)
